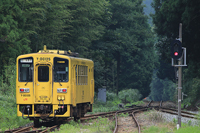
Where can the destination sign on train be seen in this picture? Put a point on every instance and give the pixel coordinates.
(60, 61)
(26, 60)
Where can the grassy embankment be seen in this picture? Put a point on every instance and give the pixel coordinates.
(159, 124)
(154, 122)
(8, 107)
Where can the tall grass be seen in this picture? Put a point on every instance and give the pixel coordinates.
(100, 125)
(8, 108)
(163, 127)
(186, 128)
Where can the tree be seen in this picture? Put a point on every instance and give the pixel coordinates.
(168, 15)
(127, 42)
(86, 24)
(45, 22)
(13, 40)
(162, 89)
(164, 66)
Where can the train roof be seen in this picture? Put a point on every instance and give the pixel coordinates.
(70, 54)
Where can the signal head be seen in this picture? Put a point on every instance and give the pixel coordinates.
(176, 49)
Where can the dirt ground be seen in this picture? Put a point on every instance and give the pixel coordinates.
(145, 119)
(126, 125)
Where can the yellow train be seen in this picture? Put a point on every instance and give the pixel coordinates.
(53, 84)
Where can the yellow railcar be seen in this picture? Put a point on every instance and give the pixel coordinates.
(53, 84)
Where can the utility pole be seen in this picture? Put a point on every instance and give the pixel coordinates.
(178, 53)
(179, 80)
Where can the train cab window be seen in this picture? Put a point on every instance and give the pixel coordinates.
(61, 70)
(25, 69)
(43, 73)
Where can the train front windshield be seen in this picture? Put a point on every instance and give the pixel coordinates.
(61, 70)
(25, 69)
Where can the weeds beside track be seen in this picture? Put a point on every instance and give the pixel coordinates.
(130, 111)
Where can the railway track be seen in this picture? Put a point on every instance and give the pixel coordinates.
(18, 130)
(175, 112)
(159, 108)
(130, 111)
(31, 129)
(136, 110)
(133, 122)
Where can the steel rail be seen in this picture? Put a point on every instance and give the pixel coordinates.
(149, 103)
(161, 103)
(116, 124)
(49, 129)
(34, 131)
(23, 129)
(176, 113)
(137, 124)
(134, 118)
(11, 130)
(132, 113)
(109, 113)
(185, 112)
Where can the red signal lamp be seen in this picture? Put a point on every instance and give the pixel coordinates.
(176, 53)
(21, 90)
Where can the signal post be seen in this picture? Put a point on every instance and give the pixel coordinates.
(178, 53)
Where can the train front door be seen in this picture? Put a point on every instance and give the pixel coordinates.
(43, 84)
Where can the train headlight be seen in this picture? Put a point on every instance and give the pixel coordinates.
(62, 90)
(24, 90)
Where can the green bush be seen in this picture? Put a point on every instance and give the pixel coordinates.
(111, 103)
(110, 96)
(129, 95)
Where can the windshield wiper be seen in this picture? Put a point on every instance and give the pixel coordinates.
(60, 83)
(26, 83)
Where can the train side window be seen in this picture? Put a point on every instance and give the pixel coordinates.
(86, 75)
(82, 75)
(76, 74)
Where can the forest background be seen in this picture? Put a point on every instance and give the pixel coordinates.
(129, 47)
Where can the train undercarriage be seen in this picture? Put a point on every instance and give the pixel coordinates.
(45, 112)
